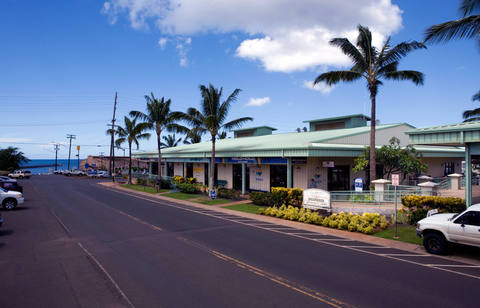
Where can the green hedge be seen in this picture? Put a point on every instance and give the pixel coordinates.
(416, 207)
(228, 194)
(189, 188)
(278, 197)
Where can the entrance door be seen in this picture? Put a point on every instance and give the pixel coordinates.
(237, 177)
(339, 178)
(278, 176)
(189, 170)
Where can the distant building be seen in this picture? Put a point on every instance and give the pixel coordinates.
(102, 162)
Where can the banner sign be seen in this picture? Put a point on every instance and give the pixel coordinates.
(328, 164)
(358, 184)
(316, 199)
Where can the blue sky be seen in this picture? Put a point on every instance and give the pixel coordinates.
(62, 61)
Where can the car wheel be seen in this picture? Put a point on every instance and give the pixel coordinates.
(435, 243)
(9, 204)
(21, 176)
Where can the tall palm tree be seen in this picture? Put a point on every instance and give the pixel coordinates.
(131, 133)
(213, 116)
(170, 141)
(193, 136)
(373, 65)
(466, 27)
(159, 117)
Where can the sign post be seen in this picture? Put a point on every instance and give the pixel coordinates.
(395, 183)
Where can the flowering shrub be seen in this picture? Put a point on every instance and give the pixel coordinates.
(180, 180)
(189, 188)
(367, 223)
(416, 207)
(287, 196)
(261, 198)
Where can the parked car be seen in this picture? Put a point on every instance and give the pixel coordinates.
(11, 185)
(19, 174)
(67, 172)
(10, 199)
(77, 172)
(6, 178)
(100, 174)
(440, 230)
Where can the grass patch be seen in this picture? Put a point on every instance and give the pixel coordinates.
(182, 196)
(208, 201)
(406, 234)
(245, 207)
(147, 189)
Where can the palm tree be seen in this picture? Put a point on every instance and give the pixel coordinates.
(131, 133)
(170, 141)
(159, 117)
(373, 65)
(222, 135)
(193, 136)
(212, 118)
(466, 27)
(474, 114)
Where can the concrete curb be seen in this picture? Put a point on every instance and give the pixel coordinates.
(303, 226)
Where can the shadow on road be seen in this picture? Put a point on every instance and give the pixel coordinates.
(6, 232)
(18, 208)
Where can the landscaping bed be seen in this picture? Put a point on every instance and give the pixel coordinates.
(148, 189)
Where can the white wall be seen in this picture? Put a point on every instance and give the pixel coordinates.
(198, 172)
(225, 172)
(300, 176)
(436, 165)
(178, 169)
(260, 177)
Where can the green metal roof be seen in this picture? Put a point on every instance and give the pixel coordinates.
(252, 128)
(283, 145)
(340, 118)
(454, 134)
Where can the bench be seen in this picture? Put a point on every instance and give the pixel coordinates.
(221, 183)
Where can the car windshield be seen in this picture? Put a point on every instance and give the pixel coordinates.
(3, 190)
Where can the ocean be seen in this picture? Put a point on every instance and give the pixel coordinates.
(40, 162)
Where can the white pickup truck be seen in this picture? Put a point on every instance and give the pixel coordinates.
(441, 229)
(19, 174)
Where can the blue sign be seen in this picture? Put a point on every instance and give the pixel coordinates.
(87, 165)
(358, 184)
(213, 194)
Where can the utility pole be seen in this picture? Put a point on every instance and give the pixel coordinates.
(70, 148)
(111, 165)
(56, 148)
(78, 155)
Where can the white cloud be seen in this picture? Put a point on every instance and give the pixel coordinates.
(257, 102)
(284, 35)
(183, 47)
(14, 140)
(321, 87)
(162, 42)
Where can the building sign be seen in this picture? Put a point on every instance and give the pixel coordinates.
(395, 179)
(328, 164)
(358, 184)
(316, 199)
(299, 161)
(241, 160)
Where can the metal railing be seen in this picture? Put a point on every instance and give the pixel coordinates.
(373, 197)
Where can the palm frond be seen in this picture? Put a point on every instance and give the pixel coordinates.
(469, 6)
(351, 51)
(476, 96)
(467, 27)
(334, 77)
(414, 76)
(468, 114)
(364, 42)
(399, 51)
(237, 123)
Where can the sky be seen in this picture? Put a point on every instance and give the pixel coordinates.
(61, 63)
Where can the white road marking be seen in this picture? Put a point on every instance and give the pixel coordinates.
(323, 241)
(100, 266)
(403, 255)
(453, 265)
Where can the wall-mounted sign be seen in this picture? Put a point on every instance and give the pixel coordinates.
(328, 164)
(299, 161)
(316, 199)
(358, 184)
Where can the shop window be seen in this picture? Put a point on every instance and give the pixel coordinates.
(449, 168)
(339, 178)
(278, 176)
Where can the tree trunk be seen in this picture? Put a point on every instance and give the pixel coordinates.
(130, 163)
(373, 163)
(159, 145)
(212, 165)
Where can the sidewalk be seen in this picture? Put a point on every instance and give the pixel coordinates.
(302, 226)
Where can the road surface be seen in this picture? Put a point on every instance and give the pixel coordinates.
(75, 243)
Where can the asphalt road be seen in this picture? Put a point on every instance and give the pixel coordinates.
(77, 244)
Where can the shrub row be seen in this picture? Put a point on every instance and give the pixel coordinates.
(278, 196)
(189, 188)
(367, 223)
(181, 180)
(416, 207)
(228, 194)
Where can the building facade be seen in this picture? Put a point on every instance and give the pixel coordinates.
(323, 157)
